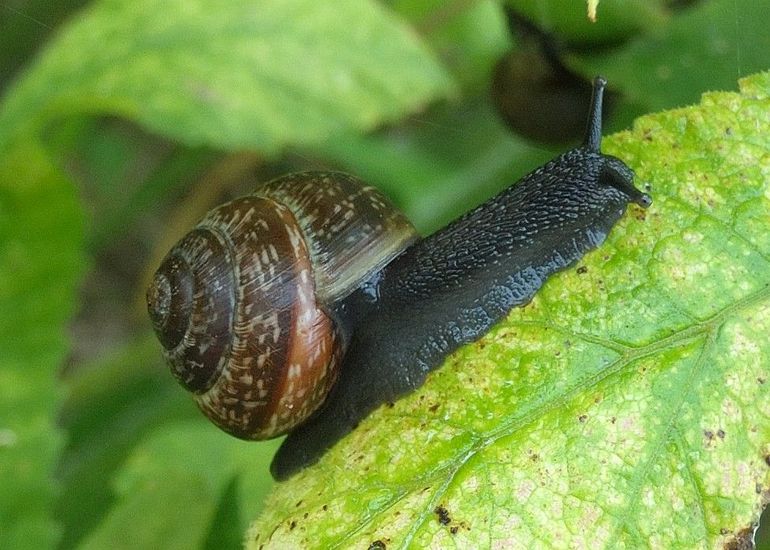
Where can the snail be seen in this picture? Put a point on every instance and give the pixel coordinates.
(302, 307)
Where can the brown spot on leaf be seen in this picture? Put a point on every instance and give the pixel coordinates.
(709, 434)
(582, 269)
(767, 460)
(453, 529)
(743, 539)
(582, 418)
(377, 545)
(292, 525)
(433, 408)
(443, 515)
(721, 434)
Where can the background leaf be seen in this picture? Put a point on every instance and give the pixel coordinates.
(23, 25)
(713, 42)
(627, 403)
(568, 20)
(40, 263)
(154, 476)
(224, 72)
(104, 426)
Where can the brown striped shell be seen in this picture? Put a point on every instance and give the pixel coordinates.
(239, 304)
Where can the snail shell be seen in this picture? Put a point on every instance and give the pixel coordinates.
(243, 304)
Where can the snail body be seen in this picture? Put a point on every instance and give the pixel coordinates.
(411, 302)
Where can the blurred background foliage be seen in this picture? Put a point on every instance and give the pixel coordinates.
(450, 101)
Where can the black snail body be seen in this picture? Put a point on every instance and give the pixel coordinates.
(402, 307)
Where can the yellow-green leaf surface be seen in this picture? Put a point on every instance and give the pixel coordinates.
(626, 406)
(231, 73)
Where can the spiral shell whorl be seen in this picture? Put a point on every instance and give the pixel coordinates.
(191, 305)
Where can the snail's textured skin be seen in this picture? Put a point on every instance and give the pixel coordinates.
(450, 288)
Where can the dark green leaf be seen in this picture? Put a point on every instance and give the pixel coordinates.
(708, 46)
(110, 406)
(40, 263)
(174, 483)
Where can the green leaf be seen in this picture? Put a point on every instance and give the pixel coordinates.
(129, 423)
(40, 263)
(571, 20)
(23, 26)
(626, 405)
(110, 406)
(706, 47)
(234, 74)
(470, 37)
(177, 481)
